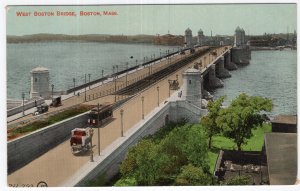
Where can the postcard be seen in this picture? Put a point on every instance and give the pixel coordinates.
(112, 95)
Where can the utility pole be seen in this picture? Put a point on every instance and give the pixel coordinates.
(74, 85)
(121, 113)
(115, 78)
(157, 95)
(126, 72)
(89, 81)
(85, 87)
(98, 124)
(23, 96)
(143, 107)
(52, 91)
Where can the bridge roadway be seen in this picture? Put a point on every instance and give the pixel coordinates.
(58, 164)
(104, 89)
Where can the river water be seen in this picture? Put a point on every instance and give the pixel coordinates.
(271, 74)
(68, 60)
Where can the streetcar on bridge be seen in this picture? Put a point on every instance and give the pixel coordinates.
(100, 115)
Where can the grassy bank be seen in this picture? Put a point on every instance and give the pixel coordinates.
(219, 142)
(12, 134)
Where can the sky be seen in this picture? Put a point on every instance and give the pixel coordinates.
(255, 19)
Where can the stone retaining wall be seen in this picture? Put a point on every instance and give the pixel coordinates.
(27, 148)
(28, 105)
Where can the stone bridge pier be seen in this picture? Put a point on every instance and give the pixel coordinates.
(213, 80)
(221, 71)
(241, 56)
(229, 65)
(205, 94)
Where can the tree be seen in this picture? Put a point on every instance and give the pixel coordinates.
(209, 121)
(144, 163)
(243, 114)
(193, 176)
(239, 180)
(186, 144)
(126, 182)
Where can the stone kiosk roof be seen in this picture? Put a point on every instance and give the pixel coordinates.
(192, 71)
(39, 69)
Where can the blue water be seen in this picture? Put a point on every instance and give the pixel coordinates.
(271, 74)
(68, 60)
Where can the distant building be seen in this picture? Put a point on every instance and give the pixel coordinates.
(117, 38)
(261, 43)
(169, 39)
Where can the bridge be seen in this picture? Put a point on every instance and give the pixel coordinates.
(148, 94)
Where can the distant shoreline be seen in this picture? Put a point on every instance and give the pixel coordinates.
(92, 38)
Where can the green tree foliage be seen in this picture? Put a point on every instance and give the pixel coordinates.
(127, 181)
(243, 114)
(144, 163)
(239, 180)
(192, 176)
(156, 161)
(209, 121)
(186, 144)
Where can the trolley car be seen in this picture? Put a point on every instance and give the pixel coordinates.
(99, 116)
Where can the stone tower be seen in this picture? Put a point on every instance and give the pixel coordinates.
(39, 82)
(239, 37)
(188, 37)
(192, 83)
(200, 38)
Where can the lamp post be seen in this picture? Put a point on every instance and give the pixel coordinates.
(91, 149)
(52, 91)
(126, 72)
(157, 95)
(89, 81)
(98, 124)
(170, 82)
(23, 96)
(115, 79)
(74, 85)
(168, 57)
(85, 87)
(142, 107)
(121, 113)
